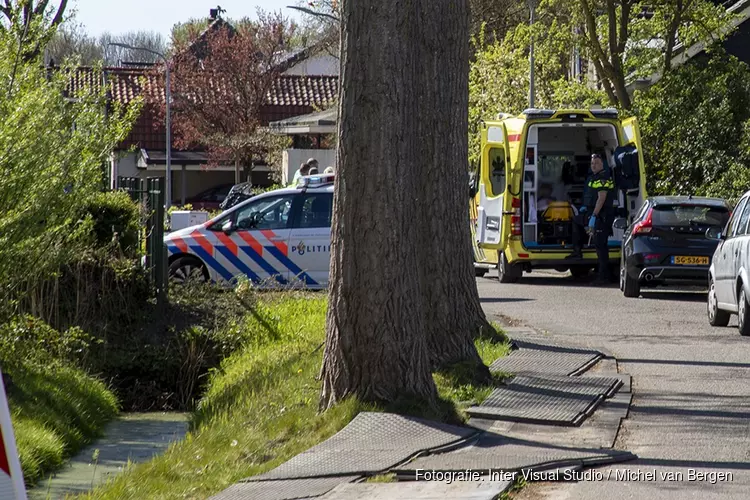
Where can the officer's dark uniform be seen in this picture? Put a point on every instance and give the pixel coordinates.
(596, 183)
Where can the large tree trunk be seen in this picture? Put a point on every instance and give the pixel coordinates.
(376, 346)
(454, 316)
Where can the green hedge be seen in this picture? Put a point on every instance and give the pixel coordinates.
(56, 407)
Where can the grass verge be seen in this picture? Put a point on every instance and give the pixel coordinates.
(260, 409)
(55, 409)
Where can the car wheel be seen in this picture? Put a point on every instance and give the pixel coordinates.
(187, 269)
(508, 273)
(743, 312)
(630, 287)
(580, 271)
(716, 317)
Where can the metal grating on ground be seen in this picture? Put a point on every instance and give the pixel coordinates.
(371, 443)
(553, 400)
(544, 357)
(288, 489)
(422, 490)
(493, 452)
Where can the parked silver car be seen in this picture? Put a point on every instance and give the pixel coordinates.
(729, 274)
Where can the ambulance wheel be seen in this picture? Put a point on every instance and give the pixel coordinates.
(508, 273)
(187, 268)
(480, 271)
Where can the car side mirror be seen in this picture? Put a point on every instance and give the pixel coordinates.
(715, 233)
(620, 223)
(228, 227)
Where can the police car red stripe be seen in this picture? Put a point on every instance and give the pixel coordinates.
(282, 246)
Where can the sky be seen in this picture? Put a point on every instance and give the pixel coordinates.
(119, 16)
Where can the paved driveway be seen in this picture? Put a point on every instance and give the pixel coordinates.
(691, 384)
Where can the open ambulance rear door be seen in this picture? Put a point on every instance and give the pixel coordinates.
(493, 175)
(11, 477)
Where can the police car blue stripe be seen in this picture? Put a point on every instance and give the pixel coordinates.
(290, 265)
(173, 249)
(237, 263)
(264, 264)
(211, 262)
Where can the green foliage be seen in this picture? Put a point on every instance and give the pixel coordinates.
(53, 150)
(116, 221)
(499, 74)
(695, 129)
(260, 407)
(30, 340)
(56, 407)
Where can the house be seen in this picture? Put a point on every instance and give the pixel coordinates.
(309, 82)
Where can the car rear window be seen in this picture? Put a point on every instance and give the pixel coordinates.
(684, 215)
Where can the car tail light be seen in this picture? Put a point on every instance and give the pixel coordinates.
(652, 257)
(515, 219)
(645, 226)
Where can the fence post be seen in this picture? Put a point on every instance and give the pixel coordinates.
(158, 253)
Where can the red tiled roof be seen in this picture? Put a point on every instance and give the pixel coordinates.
(291, 95)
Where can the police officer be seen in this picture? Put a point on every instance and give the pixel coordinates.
(596, 214)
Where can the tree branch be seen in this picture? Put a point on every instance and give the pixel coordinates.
(593, 36)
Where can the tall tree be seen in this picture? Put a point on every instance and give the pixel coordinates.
(453, 314)
(376, 347)
(115, 56)
(219, 91)
(71, 40)
(32, 23)
(633, 37)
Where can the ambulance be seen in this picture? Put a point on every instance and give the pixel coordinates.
(529, 184)
(281, 237)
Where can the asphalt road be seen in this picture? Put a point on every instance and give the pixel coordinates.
(691, 383)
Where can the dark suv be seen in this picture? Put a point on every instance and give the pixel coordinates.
(667, 244)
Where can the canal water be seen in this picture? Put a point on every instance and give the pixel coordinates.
(134, 437)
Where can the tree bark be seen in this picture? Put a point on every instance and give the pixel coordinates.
(375, 338)
(454, 316)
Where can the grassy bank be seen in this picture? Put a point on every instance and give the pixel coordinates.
(261, 408)
(56, 409)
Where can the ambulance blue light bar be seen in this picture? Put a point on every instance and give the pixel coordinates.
(311, 181)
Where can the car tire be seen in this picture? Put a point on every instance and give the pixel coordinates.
(630, 287)
(508, 273)
(743, 313)
(716, 317)
(480, 271)
(580, 271)
(187, 268)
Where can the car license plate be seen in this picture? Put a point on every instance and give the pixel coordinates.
(686, 260)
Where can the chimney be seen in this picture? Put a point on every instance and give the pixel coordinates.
(213, 14)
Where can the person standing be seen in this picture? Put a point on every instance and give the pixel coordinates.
(304, 169)
(596, 215)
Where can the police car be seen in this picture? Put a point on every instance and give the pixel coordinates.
(282, 236)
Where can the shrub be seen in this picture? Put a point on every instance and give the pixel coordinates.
(56, 407)
(116, 220)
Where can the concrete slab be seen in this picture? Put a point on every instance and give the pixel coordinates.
(552, 400)
(598, 431)
(493, 452)
(419, 490)
(370, 443)
(286, 489)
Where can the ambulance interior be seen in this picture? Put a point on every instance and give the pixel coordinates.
(557, 163)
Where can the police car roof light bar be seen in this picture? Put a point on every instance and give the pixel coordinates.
(307, 181)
